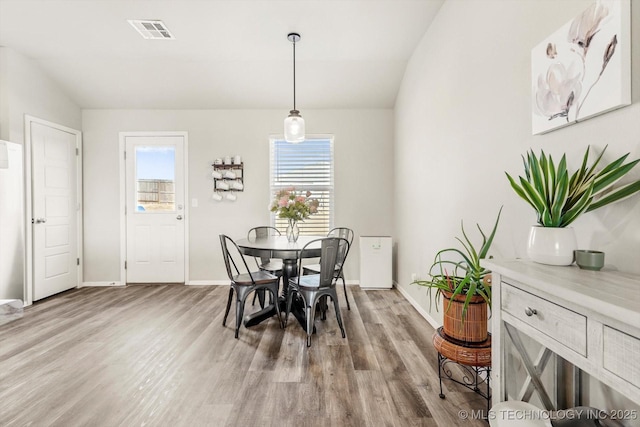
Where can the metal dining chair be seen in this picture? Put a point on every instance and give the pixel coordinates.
(263, 261)
(345, 233)
(246, 282)
(312, 288)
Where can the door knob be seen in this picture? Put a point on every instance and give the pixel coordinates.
(179, 217)
(41, 220)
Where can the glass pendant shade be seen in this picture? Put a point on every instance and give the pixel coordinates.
(294, 127)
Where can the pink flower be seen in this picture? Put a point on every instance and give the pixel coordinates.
(585, 26)
(558, 89)
(290, 205)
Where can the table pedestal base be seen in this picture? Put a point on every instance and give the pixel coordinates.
(297, 310)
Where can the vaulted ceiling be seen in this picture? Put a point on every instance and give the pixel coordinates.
(231, 54)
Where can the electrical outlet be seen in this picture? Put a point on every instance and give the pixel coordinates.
(414, 277)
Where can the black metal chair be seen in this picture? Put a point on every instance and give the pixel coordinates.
(245, 283)
(263, 261)
(312, 288)
(345, 233)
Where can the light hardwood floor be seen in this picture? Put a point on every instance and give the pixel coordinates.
(159, 355)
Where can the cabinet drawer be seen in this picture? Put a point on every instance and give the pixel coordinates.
(563, 325)
(621, 353)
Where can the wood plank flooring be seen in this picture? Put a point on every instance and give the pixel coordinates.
(158, 355)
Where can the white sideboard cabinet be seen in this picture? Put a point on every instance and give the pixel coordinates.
(589, 318)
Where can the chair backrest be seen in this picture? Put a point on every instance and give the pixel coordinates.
(333, 251)
(232, 256)
(262, 232)
(345, 233)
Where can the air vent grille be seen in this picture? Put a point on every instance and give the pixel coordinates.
(151, 29)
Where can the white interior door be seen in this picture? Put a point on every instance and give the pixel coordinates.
(155, 214)
(55, 209)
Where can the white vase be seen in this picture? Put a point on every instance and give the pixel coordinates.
(552, 245)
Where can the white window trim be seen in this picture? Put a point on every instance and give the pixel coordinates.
(331, 186)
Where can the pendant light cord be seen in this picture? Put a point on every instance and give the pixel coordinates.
(294, 74)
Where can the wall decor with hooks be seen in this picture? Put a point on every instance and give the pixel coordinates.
(228, 178)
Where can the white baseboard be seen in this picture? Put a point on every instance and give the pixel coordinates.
(91, 284)
(415, 305)
(191, 282)
(353, 282)
(208, 282)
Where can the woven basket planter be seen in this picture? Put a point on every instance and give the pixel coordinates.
(474, 326)
(478, 354)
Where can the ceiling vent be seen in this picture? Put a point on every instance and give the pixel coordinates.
(151, 29)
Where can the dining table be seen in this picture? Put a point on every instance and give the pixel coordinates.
(289, 252)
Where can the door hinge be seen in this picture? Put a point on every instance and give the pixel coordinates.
(77, 261)
(125, 155)
(125, 265)
(77, 151)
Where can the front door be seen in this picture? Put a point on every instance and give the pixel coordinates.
(55, 208)
(155, 231)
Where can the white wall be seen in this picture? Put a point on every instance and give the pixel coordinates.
(26, 89)
(463, 119)
(363, 143)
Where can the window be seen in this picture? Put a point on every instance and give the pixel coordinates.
(307, 166)
(155, 178)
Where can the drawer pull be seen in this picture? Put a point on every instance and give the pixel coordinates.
(530, 311)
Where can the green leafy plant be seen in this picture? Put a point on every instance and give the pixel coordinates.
(559, 198)
(463, 275)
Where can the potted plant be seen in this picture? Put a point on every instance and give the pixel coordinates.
(560, 197)
(294, 207)
(465, 286)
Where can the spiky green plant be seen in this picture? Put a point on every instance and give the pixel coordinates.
(467, 275)
(559, 198)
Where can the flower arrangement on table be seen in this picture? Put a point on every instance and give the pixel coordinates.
(294, 206)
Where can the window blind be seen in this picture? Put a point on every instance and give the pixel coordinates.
(306, 166)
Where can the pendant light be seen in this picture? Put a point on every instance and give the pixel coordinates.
(294, 123)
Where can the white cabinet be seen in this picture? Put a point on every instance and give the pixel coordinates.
(375, 262)
(589, 318)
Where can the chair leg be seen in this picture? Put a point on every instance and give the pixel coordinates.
(310, 316)
(226, 313)
(239, 311)
(344, 285)
(324, 307)
(260, 293)
(338, 315)
(288, 310)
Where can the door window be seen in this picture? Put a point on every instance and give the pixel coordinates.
(155, 179)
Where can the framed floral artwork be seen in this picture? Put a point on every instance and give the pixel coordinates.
(584, 68)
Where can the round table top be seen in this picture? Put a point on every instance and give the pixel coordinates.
(280, 247)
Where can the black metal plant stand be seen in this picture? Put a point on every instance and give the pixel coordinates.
(475, 377)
